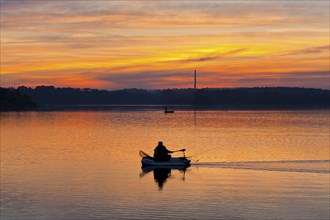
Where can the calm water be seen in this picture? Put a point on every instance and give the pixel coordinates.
(85, 165)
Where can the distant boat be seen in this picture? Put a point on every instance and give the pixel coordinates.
(168, 111)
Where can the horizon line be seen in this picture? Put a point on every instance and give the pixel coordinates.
(131, 88)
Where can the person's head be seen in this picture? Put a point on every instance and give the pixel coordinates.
(160, 143)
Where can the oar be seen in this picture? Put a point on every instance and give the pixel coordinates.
(179, 150)
(183, 150)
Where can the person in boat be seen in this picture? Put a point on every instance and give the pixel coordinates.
(161, 153)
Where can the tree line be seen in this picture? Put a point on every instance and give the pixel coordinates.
(268, 96)
(13, 99)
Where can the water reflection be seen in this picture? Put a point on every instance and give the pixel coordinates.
(82, 164)
(162, 174)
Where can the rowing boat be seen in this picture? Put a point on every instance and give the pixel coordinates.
(174, 161)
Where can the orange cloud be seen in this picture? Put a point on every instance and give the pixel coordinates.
(86, 43)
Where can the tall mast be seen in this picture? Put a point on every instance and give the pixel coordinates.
(195, 81)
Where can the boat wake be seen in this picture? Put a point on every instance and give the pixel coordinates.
(310, 166)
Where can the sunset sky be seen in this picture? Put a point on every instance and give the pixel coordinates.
(158, 44)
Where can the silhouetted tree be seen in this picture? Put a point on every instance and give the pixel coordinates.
(12, 99)
(272, 97)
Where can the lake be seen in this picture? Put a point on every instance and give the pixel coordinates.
(85, 164)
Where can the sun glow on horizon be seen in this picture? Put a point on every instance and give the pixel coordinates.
(139, 44)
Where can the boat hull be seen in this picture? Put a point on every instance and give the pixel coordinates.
(173, 162)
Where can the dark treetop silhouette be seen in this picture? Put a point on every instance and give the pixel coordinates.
(237, 97)
(13, 99)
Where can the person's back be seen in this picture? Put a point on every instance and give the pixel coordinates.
(161, 153)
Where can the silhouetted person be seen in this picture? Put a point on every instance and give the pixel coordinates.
(161, 153)
(160, 176)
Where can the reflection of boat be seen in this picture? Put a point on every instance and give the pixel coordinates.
(152, 168)
(175, 161)
(161, 174)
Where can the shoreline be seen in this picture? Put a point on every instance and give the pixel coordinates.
(157, 107)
